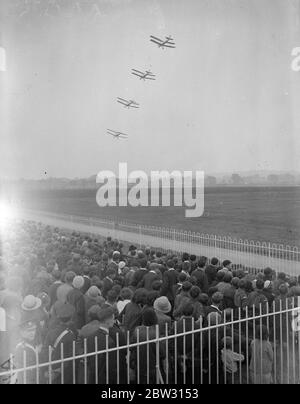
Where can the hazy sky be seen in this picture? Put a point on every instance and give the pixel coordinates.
(225, 99)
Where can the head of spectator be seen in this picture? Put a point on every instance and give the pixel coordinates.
(126, 294)
(56, 275)
(156, 285)
(214, 261)
(149, 317)
(227, 264)
(93, 312)
(268, 274)
(202, 261)
(283, 290)
(186, 267)
(212, 290)
(217, 299)
(151, 297)
(111, 273)
(204, 299)
(235, 282)
(193, 280)
(193, 258)
(116, 256)
(31, 303)
(143, 263)
(162, 304)
(227, 277)
(170, 264)
(268, 285)
(95, 280)
(186, 286)
(195, 292)
(259, 284)
(106, 317)
(93, 292)
(185, 257)
(111, 297)
(78, 282)
(282, 276)
(293, 281)
(248, 286)
(182, 277)
(240, 273)
(28, 331)
(187, 309)
(140, 297)
(70, 275)
(220, 275)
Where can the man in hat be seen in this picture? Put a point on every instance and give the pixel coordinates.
(60, 344)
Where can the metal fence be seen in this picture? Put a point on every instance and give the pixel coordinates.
(248, 253)
(255, 346)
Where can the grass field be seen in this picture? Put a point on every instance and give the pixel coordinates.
(253, 213)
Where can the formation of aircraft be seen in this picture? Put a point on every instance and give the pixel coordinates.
(128, 103)
(168, 42)
(163, 43)
(147, 75)
(117, 134)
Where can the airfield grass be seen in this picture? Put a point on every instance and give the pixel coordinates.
(268, 214)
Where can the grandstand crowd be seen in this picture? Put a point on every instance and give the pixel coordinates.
(64, 293)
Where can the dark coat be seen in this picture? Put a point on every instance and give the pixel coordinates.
(148, 280)
(138, 277)
(201, 277)
(170, 279)
(104, 341)
(107, 285)
(76, 298)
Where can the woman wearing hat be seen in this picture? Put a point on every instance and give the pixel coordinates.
(92, 297)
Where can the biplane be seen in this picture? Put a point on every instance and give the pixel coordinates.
(116, 134)
(128, 104)
(143, 76)
(167, 43)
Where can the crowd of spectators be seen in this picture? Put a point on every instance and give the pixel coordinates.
(64, 294)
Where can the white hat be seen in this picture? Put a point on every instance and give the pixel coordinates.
(31, 302)
(78, 282)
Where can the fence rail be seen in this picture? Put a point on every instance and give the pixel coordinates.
(249, 253)
(245, 347)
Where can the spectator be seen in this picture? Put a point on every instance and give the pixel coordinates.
(64, 289)
(162, 308)
(200, 275)
(144, 357)
(262, 357)
(211, 270)
(170, 278)
(76, 298)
